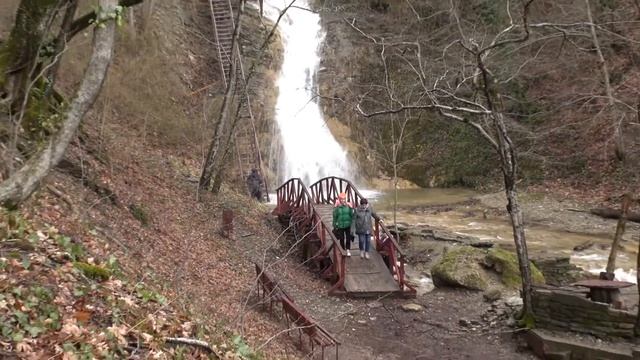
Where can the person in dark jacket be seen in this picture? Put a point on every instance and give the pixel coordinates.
(254, 183)
(342, 219)
(363, 225)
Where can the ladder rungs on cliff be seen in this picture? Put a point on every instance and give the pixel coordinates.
(246, 143)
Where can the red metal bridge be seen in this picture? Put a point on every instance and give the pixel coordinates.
(308, 212)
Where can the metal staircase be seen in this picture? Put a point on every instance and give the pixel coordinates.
(247, 148)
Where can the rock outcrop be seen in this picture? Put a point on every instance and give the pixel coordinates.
(473, 268)
(460, 267)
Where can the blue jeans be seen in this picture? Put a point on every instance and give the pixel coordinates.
(364, 241)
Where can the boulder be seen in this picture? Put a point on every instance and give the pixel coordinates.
(471, 268)
(460, 267)
(505, 263)
(412, 307)
(492, 294)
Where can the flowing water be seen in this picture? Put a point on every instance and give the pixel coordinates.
(470, 220)
(310, 150)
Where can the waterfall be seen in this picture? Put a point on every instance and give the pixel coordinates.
(310, 151)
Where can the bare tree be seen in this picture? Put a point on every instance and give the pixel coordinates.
(220, 143)
(620, 229)
(23, 182)
(473, 99)
(236, 97)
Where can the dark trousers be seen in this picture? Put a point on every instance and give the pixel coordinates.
(344, 235)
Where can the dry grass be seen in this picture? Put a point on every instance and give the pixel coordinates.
(7, 16)
(152, 79)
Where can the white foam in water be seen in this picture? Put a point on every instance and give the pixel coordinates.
(590, 257)
(310, 150)
(620, 274)
(370, 194)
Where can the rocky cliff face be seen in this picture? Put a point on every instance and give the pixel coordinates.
(552, 86)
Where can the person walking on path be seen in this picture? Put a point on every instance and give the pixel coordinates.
(362, 220)
(342, 219)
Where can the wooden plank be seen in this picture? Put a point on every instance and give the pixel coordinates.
(363, 276)
(368, 276)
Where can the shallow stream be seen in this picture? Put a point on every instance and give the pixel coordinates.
(458, 214)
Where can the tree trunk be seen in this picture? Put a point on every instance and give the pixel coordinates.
(18, 57)
(229, 138)
(217, 150)
(509, 167)
(509, 171)
(636, 328)
(86, 20)
(25, 181)
(622, 222)
(62, 39)
(215, 154)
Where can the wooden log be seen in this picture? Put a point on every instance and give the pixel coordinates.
(609, 213)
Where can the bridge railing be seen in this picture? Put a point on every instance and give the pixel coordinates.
(293, 195)
(326, 191)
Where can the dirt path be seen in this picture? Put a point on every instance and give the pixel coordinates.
(450, 325)
(381, 329)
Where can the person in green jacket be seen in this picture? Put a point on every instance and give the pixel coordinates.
(342, 219)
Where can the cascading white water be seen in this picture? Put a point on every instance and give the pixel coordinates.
(310, 150)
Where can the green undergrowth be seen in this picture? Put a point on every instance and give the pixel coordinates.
(57, 301)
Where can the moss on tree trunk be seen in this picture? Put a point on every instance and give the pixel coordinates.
(19, 55)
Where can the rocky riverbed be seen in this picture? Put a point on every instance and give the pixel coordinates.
(563, 237)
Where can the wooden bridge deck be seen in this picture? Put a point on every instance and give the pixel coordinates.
(363, 277)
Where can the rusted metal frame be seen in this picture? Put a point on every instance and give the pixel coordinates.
(305, 324)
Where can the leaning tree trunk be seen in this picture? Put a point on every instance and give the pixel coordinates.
(636, 328)
(214, 160)
(25, 181)
(509, 170)
(620, 228)
(509, 167)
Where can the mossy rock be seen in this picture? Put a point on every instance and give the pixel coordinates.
(505, 263)
(460, 267)
(91, 271)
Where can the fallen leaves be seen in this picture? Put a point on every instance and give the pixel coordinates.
(82, 316)
(53, 309)
(71, 328)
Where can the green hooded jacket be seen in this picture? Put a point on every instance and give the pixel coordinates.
(342, 217)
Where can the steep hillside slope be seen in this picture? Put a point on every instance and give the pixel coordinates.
(126, 189)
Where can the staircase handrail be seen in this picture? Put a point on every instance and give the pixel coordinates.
(228, 57)
(294, 192)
